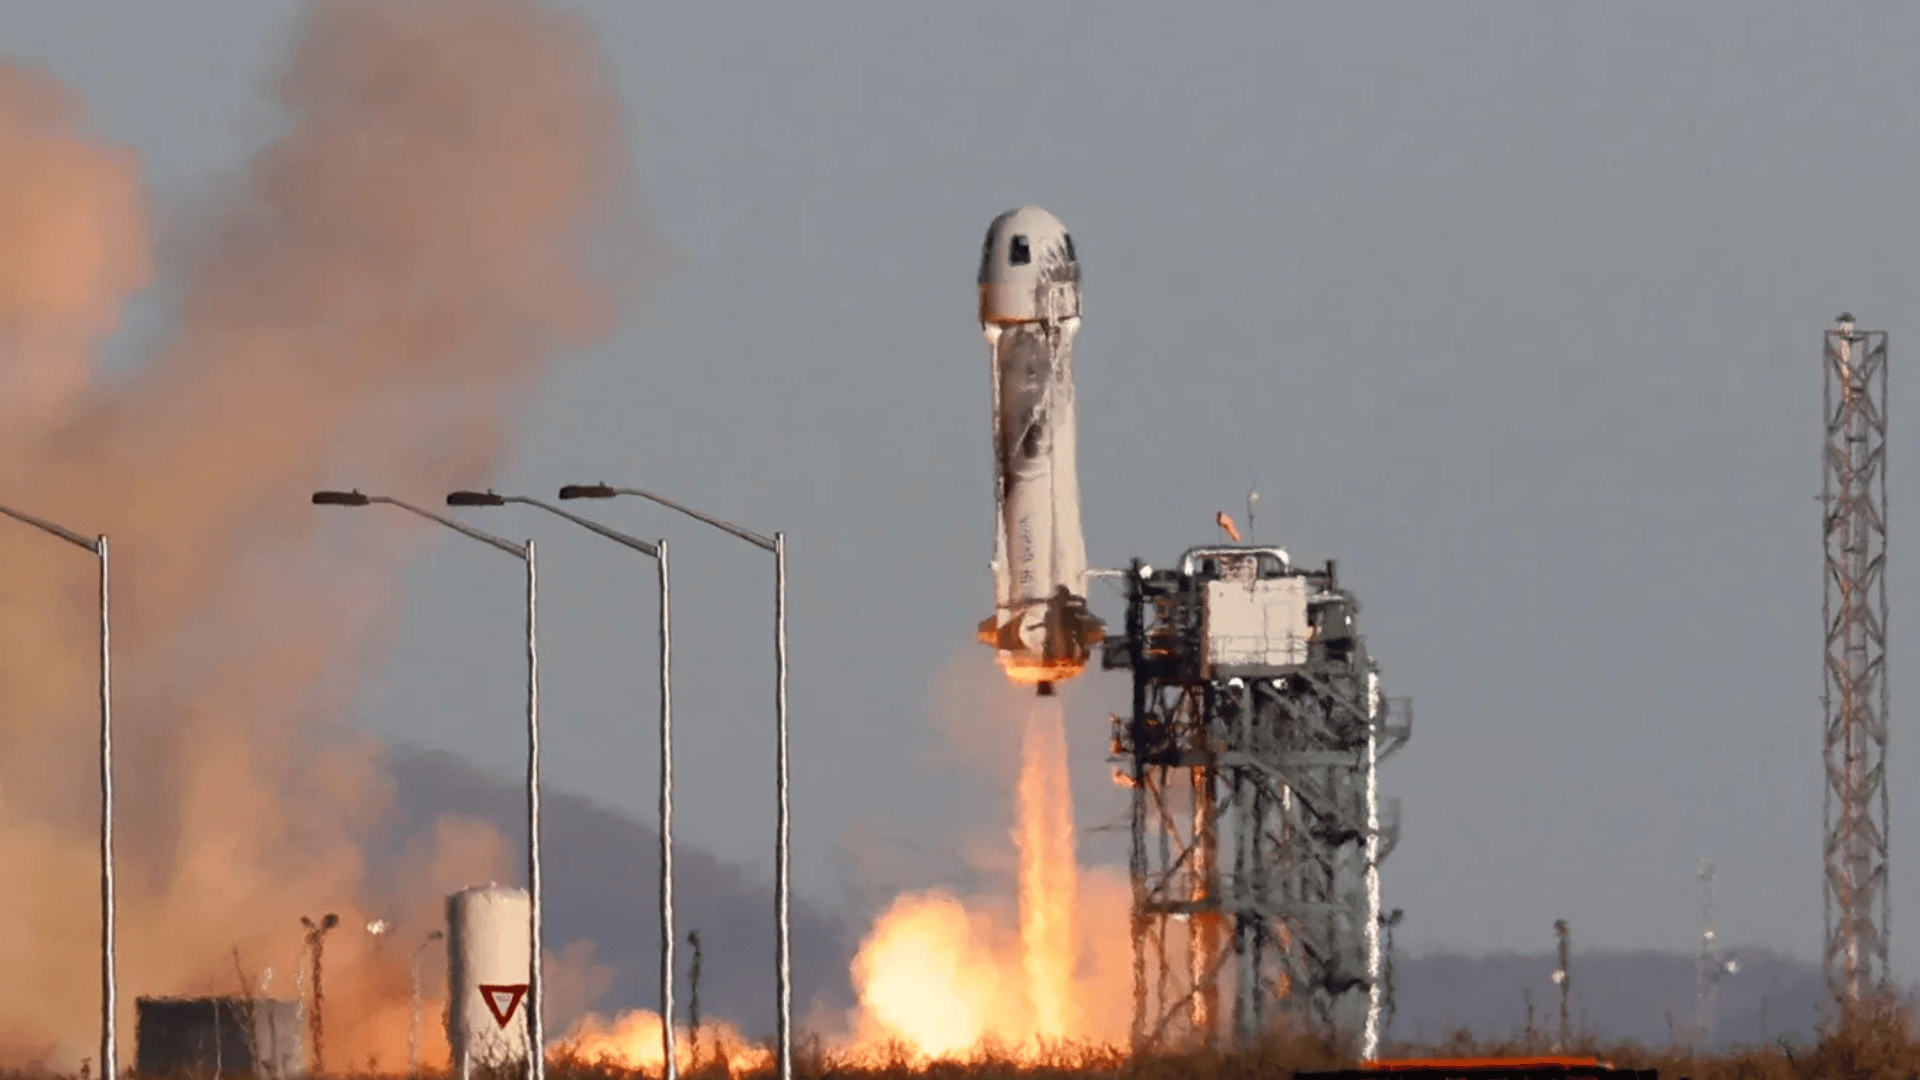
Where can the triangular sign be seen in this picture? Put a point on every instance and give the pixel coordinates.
(502, 1000)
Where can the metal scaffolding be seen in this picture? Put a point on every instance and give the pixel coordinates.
(1854, 699)
(1252, 749)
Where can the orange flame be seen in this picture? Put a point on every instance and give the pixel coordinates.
(1048, 876)
(633, 1041)
(930, 977)
(944, 979)
(1027, 670)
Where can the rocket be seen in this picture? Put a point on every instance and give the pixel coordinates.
(1029, 280)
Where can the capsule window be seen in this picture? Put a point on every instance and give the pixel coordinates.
(1071, 257)
(1017, 252)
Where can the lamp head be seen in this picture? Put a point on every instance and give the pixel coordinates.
(587, 491)
(475, 498)
(339, 498)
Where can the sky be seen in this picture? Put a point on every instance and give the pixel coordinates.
(1514, 310)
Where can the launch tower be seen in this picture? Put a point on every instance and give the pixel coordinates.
(1253, 751)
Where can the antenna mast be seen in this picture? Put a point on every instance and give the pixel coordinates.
(1710, 968)
(1253, 496)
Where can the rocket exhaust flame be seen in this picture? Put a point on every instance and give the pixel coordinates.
(947, 978)
(1048, 875)
(944, 980)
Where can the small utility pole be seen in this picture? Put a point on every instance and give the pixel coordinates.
(1563, 978)
(693, 998)
(316, 939)
(413, 1027)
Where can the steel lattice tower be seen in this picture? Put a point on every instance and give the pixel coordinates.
(1854, 699)
(1252, 750)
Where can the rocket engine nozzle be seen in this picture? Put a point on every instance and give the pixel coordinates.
(1044, 642)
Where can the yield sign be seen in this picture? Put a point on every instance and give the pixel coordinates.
(502, 1000)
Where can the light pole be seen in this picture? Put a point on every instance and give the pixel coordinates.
(109, 983)
(536, 1032)
(316, 940)
(777, 546)
(413, 1028)
(657, 551)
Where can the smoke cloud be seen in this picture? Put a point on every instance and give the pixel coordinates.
(371, 300)
(75, 237)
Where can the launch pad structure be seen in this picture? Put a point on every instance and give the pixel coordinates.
(1253, 747)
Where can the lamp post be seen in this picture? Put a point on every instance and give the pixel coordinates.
(109, 983)
(413, 1028)
(777, 546)
(536, 1051)
(657, 551)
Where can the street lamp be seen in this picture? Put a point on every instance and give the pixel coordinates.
(777, 546)
(536, 1053)
(657, 551)
(413, 1029)
(109, 984)
(316, 939)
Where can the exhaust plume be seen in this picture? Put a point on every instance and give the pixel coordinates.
(371, 301)
(940, 976)
(1049, 886)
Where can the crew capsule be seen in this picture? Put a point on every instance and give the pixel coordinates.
(1028, 269)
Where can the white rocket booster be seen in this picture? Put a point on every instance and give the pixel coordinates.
(1030, 310)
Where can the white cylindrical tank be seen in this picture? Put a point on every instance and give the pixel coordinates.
(489, 941)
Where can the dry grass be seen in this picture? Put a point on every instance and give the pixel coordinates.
(1879, 1043)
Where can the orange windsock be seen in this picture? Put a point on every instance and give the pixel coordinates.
(1221, 519)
